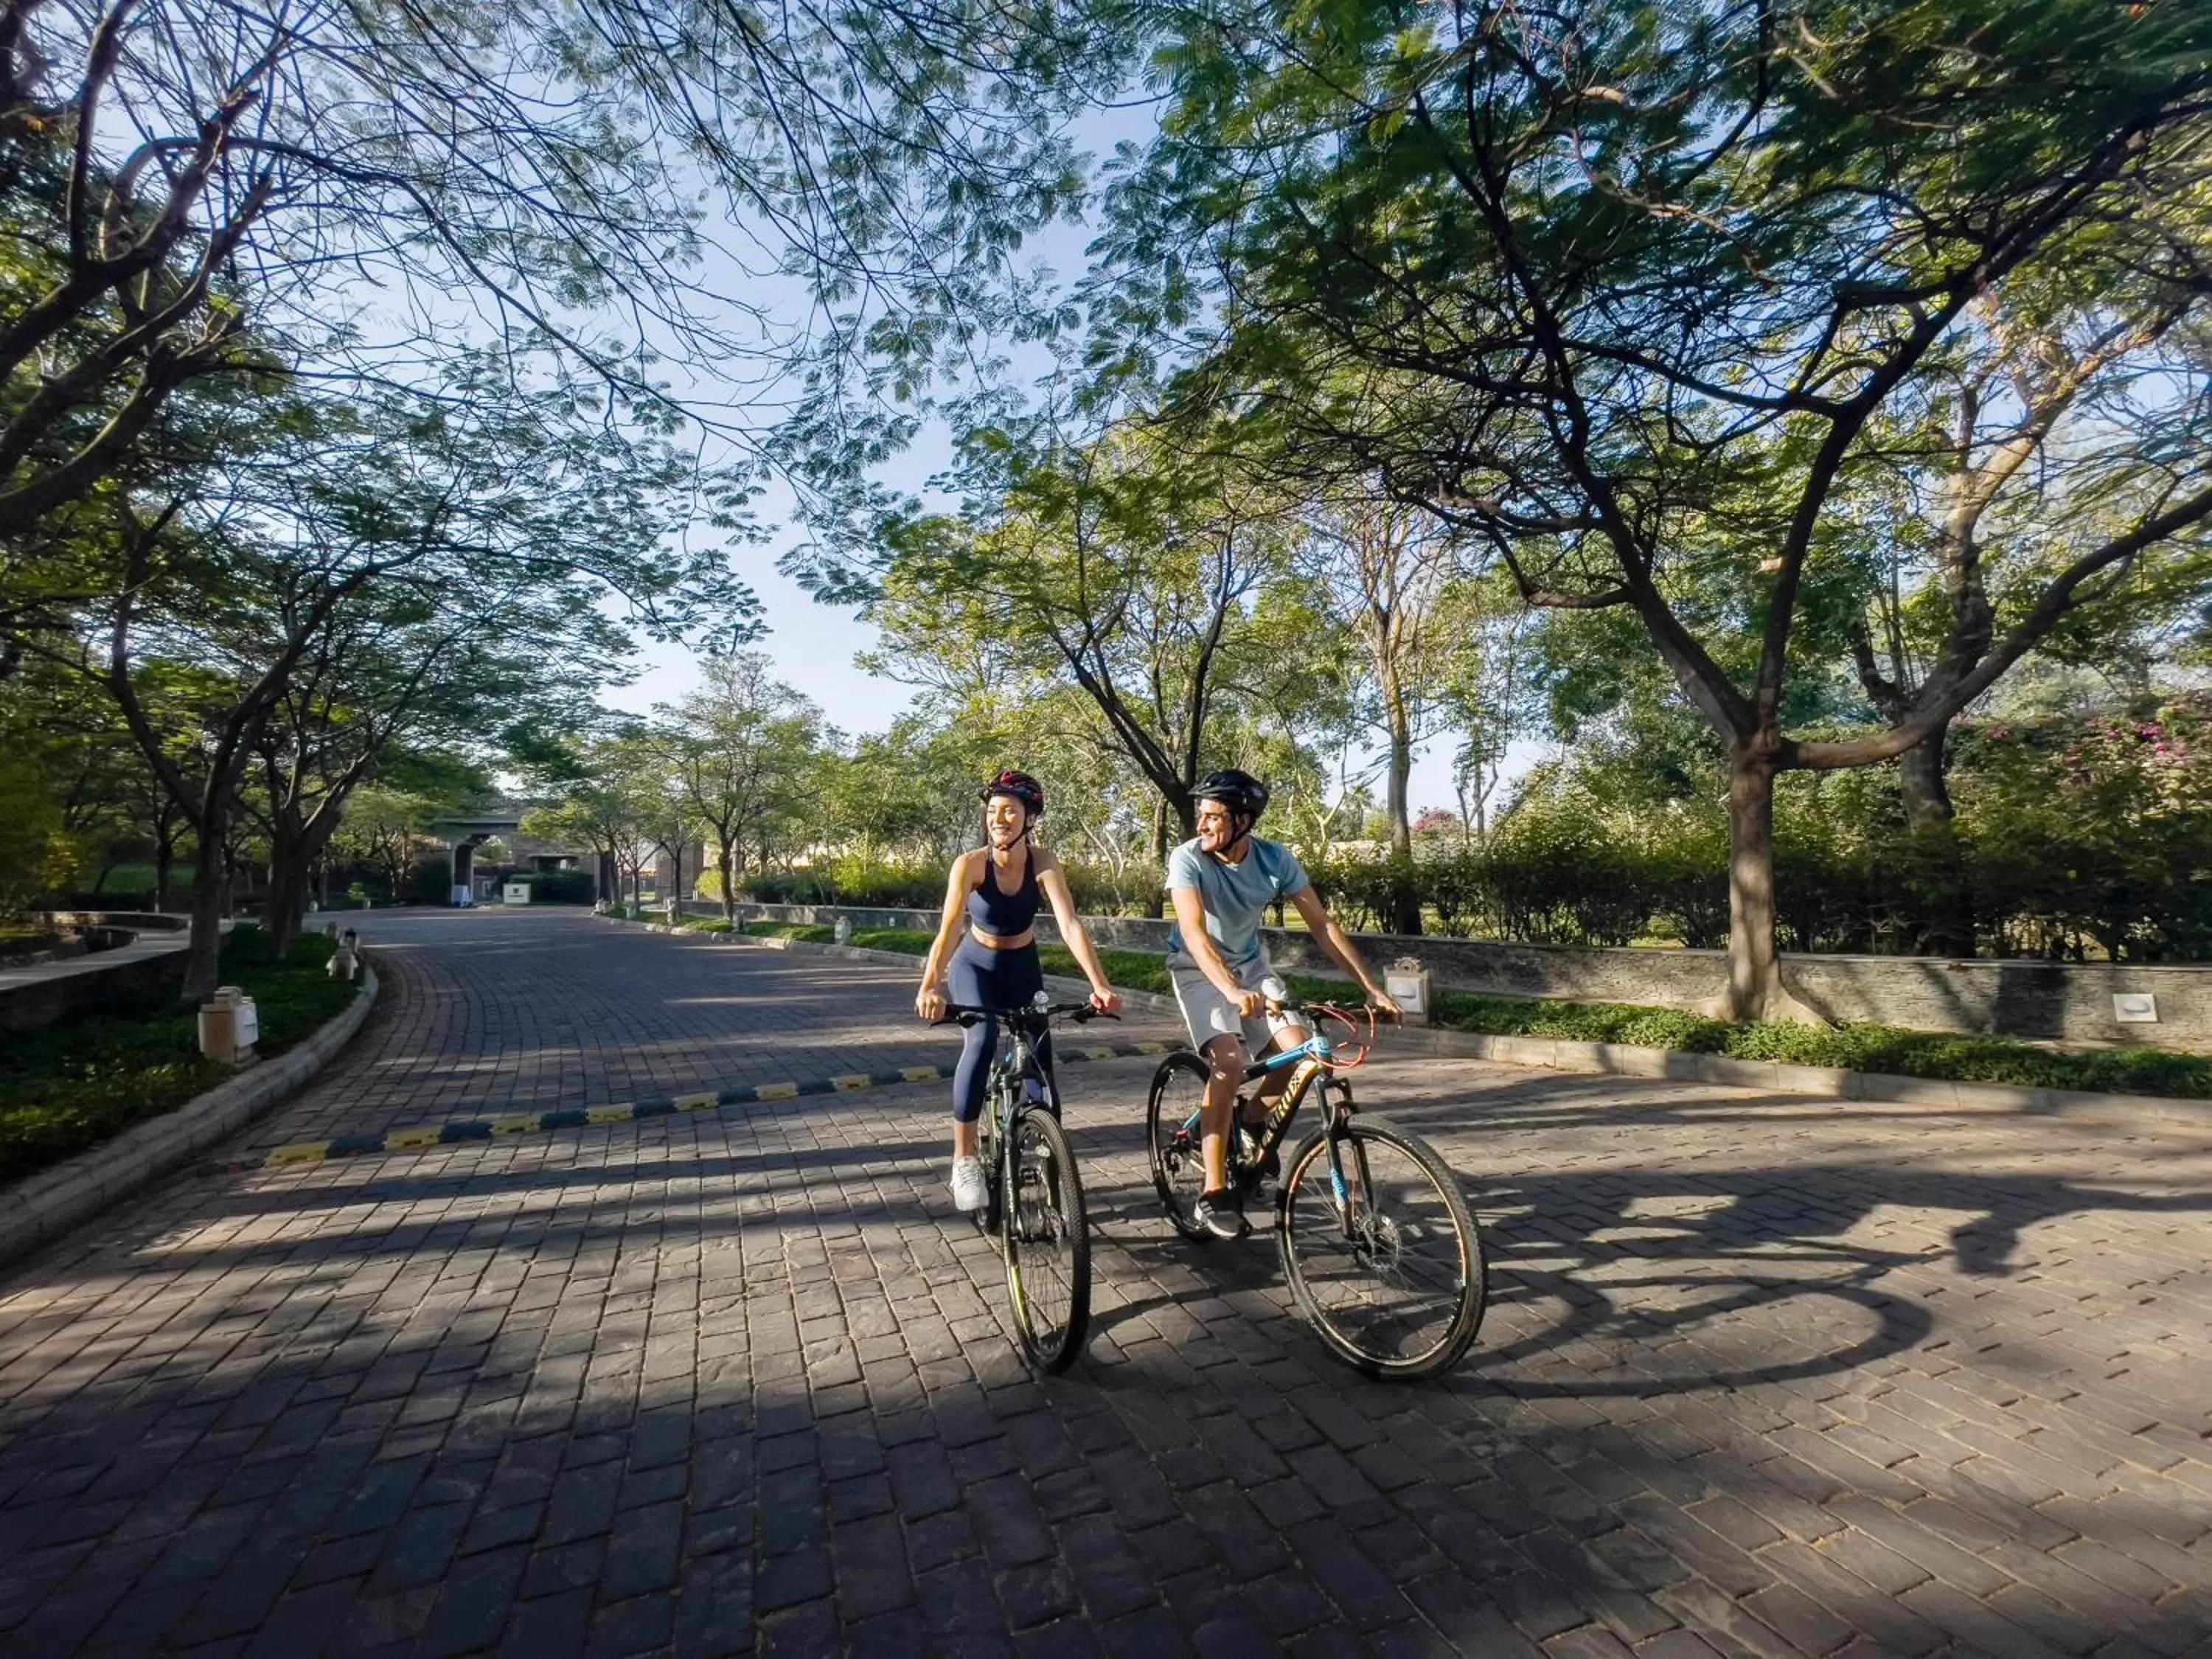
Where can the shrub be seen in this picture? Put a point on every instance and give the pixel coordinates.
(885, 886)
(798, 887)
(74, 1084)
(561, 886)
(430, 882)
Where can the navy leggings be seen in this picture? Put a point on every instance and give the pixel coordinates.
(983, 978)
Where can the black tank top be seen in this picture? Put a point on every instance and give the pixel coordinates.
(1003, 915)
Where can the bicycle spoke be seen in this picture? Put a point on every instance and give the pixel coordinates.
(1380, 1255)
(1046, 1243)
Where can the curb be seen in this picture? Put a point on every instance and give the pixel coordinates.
(1625, 1059)
(49, 1203)
(460, 1130)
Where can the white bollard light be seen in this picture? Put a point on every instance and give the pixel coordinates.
(1410, 985)
(229, 1027)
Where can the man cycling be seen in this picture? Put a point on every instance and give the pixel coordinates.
(1221, 884)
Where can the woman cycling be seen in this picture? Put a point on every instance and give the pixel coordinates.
(991, 901)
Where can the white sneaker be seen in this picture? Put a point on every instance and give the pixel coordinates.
(969, 1191)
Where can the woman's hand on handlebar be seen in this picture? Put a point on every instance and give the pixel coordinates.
(1106, 1000)
(929, 1002)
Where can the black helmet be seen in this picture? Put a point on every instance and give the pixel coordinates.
(1240, 791)
(1019, 785)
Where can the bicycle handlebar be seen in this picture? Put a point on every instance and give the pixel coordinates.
(959, 1013)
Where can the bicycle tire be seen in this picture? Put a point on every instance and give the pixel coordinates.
(1046, 1226)
(1173, 1153)
(1310, 1222)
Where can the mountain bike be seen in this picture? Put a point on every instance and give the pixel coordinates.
(1383, 1256)
(1036, 1204)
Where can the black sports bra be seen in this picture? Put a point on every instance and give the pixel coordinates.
(1003, 915)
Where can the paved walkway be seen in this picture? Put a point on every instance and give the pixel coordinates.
(1769, 1376)
(497, 1013)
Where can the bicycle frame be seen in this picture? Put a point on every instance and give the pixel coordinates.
(1020, 1055)
(1316, 1055)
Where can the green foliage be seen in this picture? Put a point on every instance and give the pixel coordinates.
(856, 881)
(792, 887)
(33, 856)
(72, 1084)
(430, 882)
(559, 886)
(2093, 831)
(1580, 1022)
(1126, 971)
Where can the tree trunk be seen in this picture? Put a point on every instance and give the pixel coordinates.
(203, 954)
(280, 907)
(1938, 860)
(1755, 990)
(165, 864)
(727, 856)
(1156, 900)
(1405, 895)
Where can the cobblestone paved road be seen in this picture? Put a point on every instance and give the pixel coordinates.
(1769, 1376)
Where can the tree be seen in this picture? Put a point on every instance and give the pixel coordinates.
(604, 786)
(1628, 293)
(178, 184)
(1487, 695)
(367, 573)
(1386, 571)
(1126, 569)
(383, 827)
(745, 752)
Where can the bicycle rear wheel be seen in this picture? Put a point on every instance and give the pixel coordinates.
(1380, 1250)
(1047, 1236)
(1171, 1134)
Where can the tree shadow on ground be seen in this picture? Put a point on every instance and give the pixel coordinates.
(820, 1439)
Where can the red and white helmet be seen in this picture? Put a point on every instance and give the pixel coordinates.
(1020, 786)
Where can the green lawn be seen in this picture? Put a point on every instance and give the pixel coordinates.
(73, 1084)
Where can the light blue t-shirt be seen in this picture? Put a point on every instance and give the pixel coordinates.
(1235, 896)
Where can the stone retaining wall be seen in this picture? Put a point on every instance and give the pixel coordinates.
(2042, 1001)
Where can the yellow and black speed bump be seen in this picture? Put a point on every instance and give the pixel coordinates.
(452, 1133)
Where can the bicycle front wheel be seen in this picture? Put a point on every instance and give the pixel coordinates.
(1047, 1243)
(1381, 1251)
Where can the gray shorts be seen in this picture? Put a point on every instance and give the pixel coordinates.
(1207, 1014)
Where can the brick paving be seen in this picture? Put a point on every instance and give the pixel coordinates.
(1760, 1376)
(500, 1012)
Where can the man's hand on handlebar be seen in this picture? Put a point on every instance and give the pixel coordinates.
(1384, 1007)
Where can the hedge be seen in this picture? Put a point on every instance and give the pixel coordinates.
(560, 887)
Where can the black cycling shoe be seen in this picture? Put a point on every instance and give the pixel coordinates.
(1220, 1215)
